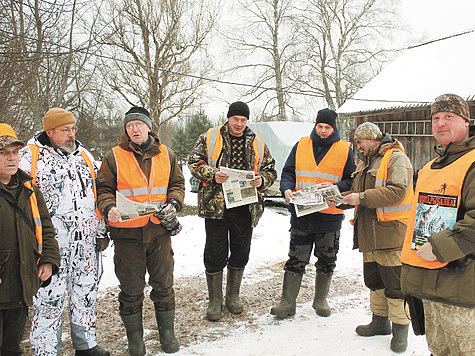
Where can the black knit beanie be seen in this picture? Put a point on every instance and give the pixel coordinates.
(238, 108)
(327, 116)
(138, 113)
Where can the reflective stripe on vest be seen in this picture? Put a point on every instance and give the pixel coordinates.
(132, 183)
(330, 169)
(36, 217)
(398, 211)
(214, 145)
(445, 181)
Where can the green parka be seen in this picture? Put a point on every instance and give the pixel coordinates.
(20, 226)
(369, 233)
(211, 202)
(455, 283)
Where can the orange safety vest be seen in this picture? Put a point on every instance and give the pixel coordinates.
(330, 169)
(214, 145)
(36, 217)
(35, 153)
(132, 183)
(398, 211)
(432, 186)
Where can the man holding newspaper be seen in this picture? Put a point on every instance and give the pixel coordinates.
(231, 161)
(325, 159)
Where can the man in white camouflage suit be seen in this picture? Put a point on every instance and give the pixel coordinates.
(65, 173)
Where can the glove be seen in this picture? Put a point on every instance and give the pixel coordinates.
(101, 243)
(167, 216)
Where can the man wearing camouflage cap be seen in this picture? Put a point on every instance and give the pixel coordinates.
(439, 267)
(381, 194)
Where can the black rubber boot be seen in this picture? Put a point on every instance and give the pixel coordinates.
(290, 290)
(322, 286)
(134, 329)
(215, 292)
(399, 340)
(233, 285)
(166, 330)
(95, 351)
(380, 325)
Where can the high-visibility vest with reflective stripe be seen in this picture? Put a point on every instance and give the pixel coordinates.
(36, 217)
(445, 181)
(330, 169)
(132, 183)
(398, 211)
(214, 145)
(35, 153)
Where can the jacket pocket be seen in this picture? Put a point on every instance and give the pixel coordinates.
(4, 256)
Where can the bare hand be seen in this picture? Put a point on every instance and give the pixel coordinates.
(220, 177)
(325, 184)
(352, 199)
(44, 271)
(114, 214)
(257, 182)
(425, 252)
(288, 194)
(331, 203)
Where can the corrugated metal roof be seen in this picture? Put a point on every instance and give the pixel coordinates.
(419, 75)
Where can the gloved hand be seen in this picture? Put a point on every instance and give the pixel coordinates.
(101, 243)
(167, 216)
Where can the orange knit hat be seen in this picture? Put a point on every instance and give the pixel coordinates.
(56, 117)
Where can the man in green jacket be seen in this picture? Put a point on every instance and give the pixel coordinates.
(29, 253)
(439, 253)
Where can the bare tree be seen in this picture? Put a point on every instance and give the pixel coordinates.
(157, 50)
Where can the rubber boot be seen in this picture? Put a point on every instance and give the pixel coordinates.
(233, 285)
(95, 351)
(290, 290)
(215, 291)
(399, 340)
(322, 286)
(380, 325)
(166, 330)
(134, 329)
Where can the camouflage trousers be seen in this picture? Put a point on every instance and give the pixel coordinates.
(325, 247)
(449, 329)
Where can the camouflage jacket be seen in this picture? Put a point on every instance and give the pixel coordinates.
(211, 203)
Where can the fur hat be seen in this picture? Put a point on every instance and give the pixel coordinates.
(138, 113)
(238, 108)
(8, 136)
(327, 116)
(368, 131)
(56, 117)
(451, 103)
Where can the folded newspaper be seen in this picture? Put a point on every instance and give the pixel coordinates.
(132, 210)
(312, 199)
(237, 189)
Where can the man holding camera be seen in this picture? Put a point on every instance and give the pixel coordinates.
(144, 171)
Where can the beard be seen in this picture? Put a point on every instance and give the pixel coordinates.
(69, 146)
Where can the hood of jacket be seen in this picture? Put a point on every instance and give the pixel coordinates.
(386, 143)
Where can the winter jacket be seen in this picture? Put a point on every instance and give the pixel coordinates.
(369, 233)
(19, 227)
(317, 222)
(211, 203)
(455, 283)
(107, 186)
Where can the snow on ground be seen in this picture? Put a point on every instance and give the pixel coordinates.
(305, 333)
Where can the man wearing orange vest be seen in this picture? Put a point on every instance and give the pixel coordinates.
(439, 256)
(29, 253)
(320, 158)
(65, 172)
(382, 194)
(144, 171)
(229, 231)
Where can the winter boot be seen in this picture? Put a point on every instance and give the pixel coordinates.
(399, 340)
(134, 329)
(215, 291)
(166, 330)
(290, 290)
(95, 351)
(322, 286)
(380, 325)
(233, 284)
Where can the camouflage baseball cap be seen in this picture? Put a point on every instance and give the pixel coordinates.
(450, 103)
(368, 131)
(8, 136)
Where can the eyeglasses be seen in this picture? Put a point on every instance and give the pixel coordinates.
(131, 125)
(68, 130)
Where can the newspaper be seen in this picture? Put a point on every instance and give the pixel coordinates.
(132, 210)
(312, 199)
(238, 189)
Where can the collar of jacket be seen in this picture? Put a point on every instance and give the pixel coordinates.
(43, 140)
(334, 137)
(452, 152)
(152, 150)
